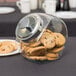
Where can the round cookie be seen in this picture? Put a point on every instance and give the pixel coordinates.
(49, 58)
(47, 40)
(6, 49)
(32, 43)
(8, 46)
(52, 55)
(37, 51)
(59, 39)
(36, 57)
(56, 50)
(12, 43)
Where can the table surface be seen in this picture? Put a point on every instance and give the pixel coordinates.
(18, 66)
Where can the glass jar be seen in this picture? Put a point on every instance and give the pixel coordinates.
(42, 37)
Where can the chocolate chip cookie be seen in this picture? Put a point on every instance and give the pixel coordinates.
(56, 49)
(47, 40)
(59, 39)
(36, 51)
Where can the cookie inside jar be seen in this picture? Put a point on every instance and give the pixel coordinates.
(48, 47)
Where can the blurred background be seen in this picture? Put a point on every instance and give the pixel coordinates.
(72, 3)
(9, 2)
(8, 22)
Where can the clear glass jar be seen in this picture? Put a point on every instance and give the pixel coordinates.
(42, 37)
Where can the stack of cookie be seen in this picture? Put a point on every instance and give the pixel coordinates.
(47, 48)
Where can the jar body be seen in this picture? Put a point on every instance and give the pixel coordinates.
(51, 43)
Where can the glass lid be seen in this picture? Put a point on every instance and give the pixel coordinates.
(28, 26)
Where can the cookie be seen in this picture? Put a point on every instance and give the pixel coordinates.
(56, 50)
(36, 57)
(6, 49)
(52, 55)
(8, 46)
(24, 46)
(15, 45)
(35, 44)
(12, 43)
(59, 39)
(50, 59)
(30, 47)
(40, 50)
(32, 43)
(47, 40)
